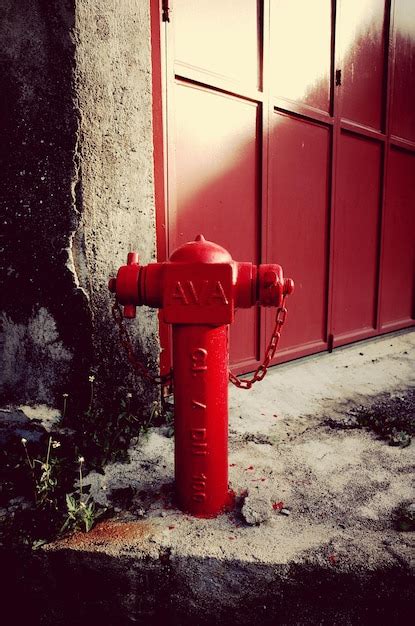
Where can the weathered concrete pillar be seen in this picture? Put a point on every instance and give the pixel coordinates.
(76, 182)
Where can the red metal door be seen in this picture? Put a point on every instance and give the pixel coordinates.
(397, 304)
(356, 238)
(215, 139)
(398, 262)
(360, 150)
(290, 134)
(298, 220)
(299, 165)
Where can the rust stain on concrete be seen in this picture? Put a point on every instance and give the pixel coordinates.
(107, 533)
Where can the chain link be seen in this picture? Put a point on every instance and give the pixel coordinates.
(126, 343)
(242, 383)
(260, 372)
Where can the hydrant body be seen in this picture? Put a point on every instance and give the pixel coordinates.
(200, 381)
(197, 291)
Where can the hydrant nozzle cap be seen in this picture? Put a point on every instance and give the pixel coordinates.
(288, 286)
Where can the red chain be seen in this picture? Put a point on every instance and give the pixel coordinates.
(259, 374)
(242, 383)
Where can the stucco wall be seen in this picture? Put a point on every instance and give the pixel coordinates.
(113, 84)
(77, 192)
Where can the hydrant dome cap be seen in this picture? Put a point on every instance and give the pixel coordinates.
(201, 251)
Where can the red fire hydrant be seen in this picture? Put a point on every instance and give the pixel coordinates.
(197, 291)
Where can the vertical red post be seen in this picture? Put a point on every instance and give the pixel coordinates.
(201, 417)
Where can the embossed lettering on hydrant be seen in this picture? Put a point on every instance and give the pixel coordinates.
(179, 293)
(218, 293)
(204, 293)
(198, 438)
(199, 487)
(199, 361)
(198, 405)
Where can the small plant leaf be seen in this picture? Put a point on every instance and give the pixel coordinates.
(38, 544)
(70, 502)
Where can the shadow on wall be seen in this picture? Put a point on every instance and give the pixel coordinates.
(46, 321)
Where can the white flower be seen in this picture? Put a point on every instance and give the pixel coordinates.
(91, 378)
(56, 444)
(81, 459)
(65, 395)
(24, 441)
(129, 395)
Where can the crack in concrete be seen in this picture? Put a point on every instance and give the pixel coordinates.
(72, 262)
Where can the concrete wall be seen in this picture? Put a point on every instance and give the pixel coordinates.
(76, 182)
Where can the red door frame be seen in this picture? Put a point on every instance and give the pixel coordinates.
(159, 129)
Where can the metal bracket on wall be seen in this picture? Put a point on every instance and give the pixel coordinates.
(165, 11)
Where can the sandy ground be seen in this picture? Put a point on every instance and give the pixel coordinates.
(337, 487)
(324, 499)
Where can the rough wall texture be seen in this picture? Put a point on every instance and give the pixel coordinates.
(76, 178)
(113, 82)
(45, 316)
